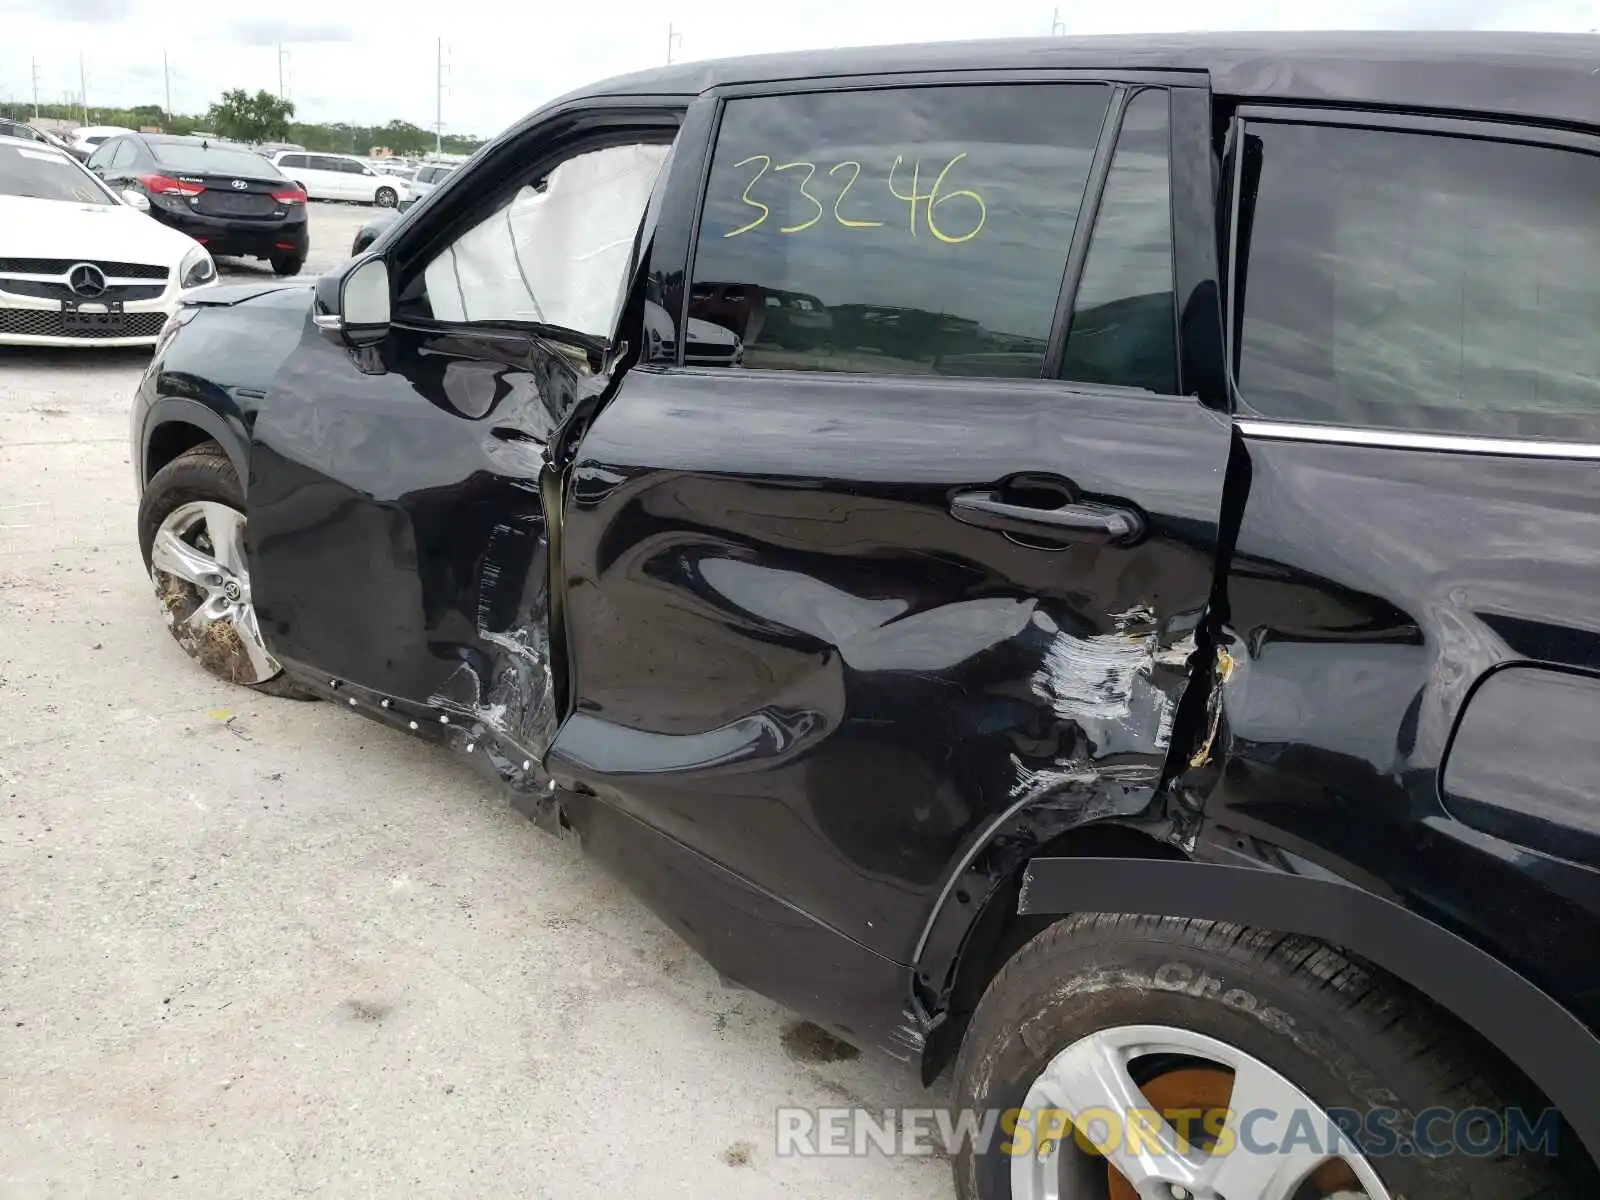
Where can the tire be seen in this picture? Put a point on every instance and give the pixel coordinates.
(1342, 1034)
(204, 476)
(386, 197)
(288, 264)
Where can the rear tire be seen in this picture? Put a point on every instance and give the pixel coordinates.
(287, 264)
(1345, 1036)
(386, 197)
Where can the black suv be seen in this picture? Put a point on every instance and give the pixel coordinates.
(1136, 639)
(229, 198)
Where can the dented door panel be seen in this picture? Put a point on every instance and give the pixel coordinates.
(791, 657)
(399, 534)
(1372, 590)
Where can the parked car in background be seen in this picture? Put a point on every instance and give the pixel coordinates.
(1177, 720)
(227, 197)
(78, 266)
(87, 140)
(393, 166)
(340, 177)
(430, 176)
(21, 129)
(373, 229)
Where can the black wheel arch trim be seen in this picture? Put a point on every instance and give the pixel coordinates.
(171, 410)
(1541, 1037)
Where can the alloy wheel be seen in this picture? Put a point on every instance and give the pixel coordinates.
(198, 566)
(1214, 1086)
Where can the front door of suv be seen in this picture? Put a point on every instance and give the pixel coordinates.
(934, 543)
(398, 492)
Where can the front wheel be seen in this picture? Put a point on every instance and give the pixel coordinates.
(386, 197)
(1139, 1057)
(192, 536)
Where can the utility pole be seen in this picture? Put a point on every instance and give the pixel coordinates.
(166, 75)
(283, 56)
(83, 89)
(35, 63)
(674, 39)
(438, 100)
(1058, 27)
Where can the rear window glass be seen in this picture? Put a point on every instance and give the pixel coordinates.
(212, 160)
(1409, 281)
(43, 174)
(901, 231)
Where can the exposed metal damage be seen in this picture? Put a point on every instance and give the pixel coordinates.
(1113, 687)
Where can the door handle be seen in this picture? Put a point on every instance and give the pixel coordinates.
(986, 510)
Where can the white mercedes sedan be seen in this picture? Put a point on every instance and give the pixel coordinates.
(79, 265)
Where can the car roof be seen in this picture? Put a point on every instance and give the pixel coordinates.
(7, 140)
(1544, 76)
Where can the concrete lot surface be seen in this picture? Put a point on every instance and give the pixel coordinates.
(257, 948)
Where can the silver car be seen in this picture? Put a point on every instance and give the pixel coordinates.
(428, 177)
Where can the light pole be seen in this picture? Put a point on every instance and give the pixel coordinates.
(674, 40)
(438, 102)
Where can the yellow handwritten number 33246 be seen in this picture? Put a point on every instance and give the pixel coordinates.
(930, 200)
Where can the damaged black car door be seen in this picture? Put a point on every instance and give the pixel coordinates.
(400, 490)
(932, 543)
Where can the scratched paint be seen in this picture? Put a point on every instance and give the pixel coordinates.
(1107, 686)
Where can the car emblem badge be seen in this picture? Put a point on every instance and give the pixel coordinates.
(87, 280)
(240, 184)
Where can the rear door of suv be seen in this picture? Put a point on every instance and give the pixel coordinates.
(1414, 633)
(938, 551)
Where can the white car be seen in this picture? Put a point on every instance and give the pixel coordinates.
(79, 264)
(340, 177)
(87, 140)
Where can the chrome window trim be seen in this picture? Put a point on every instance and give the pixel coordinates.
(1396, 439)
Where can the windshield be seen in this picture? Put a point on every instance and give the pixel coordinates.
(47, 175)
(213, 160)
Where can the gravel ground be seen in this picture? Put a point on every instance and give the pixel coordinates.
(260, 948)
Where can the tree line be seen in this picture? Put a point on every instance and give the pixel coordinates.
(262, 117)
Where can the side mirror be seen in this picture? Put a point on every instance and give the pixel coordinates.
(352, 305)
(137, 200)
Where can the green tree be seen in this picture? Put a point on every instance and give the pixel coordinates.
(242, 117)
(404, 138)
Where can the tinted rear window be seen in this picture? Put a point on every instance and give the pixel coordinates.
(212, 160)
(1420, 282)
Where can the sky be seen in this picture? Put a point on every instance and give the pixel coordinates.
(370, 61)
